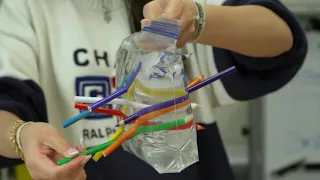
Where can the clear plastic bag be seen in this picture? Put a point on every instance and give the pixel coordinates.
(161, 78)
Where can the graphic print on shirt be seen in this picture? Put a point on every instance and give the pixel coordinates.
(97, 83)
(94, 86)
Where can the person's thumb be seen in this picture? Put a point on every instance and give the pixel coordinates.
(60, 145)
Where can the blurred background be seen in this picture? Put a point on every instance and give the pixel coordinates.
(276, 137)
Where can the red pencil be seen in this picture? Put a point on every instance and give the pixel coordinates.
(101, 110)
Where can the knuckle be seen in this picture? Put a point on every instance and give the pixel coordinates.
(148, 5)
(51, 135)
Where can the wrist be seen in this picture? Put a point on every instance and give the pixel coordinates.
(188, 17)
(15, 138)
(20, 135)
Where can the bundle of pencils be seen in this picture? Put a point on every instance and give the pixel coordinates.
(139, 122)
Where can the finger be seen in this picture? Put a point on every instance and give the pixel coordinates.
(187, 31)
(73, 168)
(82, 145)
(44, 168)
(41, 166)
(188, 24)
(59, 144)
(56, 157)
(82, 176)
(145, 22)
(152, 10)
(173, 9)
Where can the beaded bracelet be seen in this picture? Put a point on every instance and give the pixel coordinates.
(200, 18)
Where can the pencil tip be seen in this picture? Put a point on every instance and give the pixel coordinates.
(200, 128)
(186, 56)
(104, 155)
(199, 106)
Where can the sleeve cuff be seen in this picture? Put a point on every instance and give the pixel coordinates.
(6, 163)
(25, 99)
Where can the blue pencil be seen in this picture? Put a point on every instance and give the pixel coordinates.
(76, 118)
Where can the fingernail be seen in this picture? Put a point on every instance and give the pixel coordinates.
(83, 144)
(72, 151)
(85, 160)
(145, 22)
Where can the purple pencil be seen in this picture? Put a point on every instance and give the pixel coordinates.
(116, 94)
(212, 79)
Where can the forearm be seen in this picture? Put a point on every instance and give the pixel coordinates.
(249, 30)
(6, 123)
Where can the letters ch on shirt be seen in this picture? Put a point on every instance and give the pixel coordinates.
(84, 57)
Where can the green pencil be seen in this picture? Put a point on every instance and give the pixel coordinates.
(160, 127)
(88, 152)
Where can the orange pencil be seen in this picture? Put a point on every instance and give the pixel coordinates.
(196, 81)
(162, 111)
(199, 127)
(121, 139)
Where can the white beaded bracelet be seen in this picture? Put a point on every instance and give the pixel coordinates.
(200, 18)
